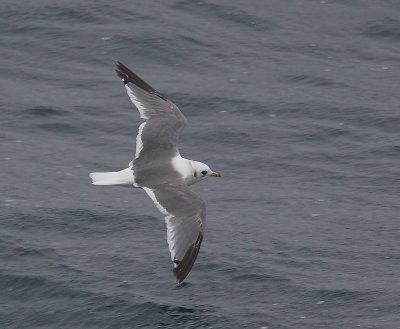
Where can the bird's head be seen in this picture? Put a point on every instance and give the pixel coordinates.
(201, 171)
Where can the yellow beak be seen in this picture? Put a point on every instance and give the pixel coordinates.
(215, 174)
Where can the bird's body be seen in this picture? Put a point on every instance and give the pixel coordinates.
(162, 173)
(186, 169)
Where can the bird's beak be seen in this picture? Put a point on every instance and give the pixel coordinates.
(215, 174)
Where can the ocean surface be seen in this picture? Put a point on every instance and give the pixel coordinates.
(295, 103)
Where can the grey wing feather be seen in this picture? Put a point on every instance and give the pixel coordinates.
(164, 121)
(185, 218)
(149, 102)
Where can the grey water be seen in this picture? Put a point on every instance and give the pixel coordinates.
(295, 103)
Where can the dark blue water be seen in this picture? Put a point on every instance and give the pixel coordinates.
(296, 104)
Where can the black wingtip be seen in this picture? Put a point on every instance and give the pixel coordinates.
(183, 268)
(128, 76)
(123, 72)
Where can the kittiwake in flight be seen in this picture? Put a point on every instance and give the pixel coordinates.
(162, 173)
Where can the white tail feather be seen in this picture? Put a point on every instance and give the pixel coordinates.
(121, 178)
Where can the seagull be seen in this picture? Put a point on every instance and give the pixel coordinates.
(162, 173)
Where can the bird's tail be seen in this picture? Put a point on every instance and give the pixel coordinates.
(122, 178)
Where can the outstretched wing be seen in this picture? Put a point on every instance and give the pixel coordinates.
(158, 135)
(185, 218)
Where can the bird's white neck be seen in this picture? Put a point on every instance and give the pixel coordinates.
(185, 168)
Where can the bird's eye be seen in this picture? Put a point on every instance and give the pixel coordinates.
(204, 172)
